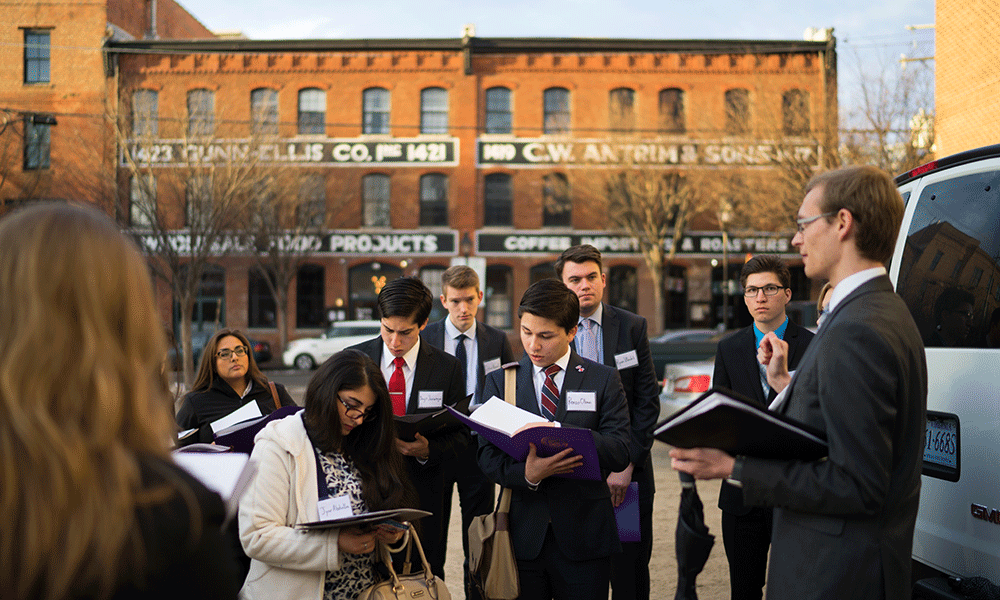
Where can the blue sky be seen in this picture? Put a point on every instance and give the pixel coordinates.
(869, 33)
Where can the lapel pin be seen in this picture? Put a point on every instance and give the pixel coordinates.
(579, 368)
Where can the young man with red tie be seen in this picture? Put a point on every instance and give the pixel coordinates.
(421, 379)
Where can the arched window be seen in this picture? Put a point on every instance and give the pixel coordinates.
(434, 110)
(556, 107)
(499, 201)
(621, 110)
(737, 111)
(376, 111)
(312, 111)
(499, 296)
(672, 118)
(434, 200)
(310, 212)
(201, 112)
(375, 199)
(264, 111)
(795, 112)
(498, 112)
(145, 113)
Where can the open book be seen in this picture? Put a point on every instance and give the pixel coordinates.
(430, 424)
(722, 419)
(511, 429)
(370, 519)
(240, 436)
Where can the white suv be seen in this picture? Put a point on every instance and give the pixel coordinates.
(947, 269)
(306, 353)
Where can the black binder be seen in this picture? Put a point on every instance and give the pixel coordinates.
(430, 424)
(721, 418)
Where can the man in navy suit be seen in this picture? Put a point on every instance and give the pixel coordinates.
(843, 525)
(420, 379)
(483, 350)
(563, 530)
(617, 338)
(746, 531)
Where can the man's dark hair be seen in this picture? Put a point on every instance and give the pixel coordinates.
(579, 255)
(551, 299)
(766, 263)
(405, 297)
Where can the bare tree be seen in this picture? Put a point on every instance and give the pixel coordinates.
(890, 121)
(186, 201)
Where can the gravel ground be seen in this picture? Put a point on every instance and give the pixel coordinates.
(713, 583)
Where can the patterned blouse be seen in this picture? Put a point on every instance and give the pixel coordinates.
(357, 571)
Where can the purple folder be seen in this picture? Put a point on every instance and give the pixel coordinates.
(627, 515)
(547, 440)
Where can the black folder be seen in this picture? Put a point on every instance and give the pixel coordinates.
(721, 418)
(430, 424)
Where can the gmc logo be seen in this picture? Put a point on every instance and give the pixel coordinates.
(990, 515)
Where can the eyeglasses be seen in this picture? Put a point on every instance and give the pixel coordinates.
(227, 353)
(353, 411)
(804, 222)
(769, 290)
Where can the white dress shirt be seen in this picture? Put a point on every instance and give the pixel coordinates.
(538, 378)
(408, 369)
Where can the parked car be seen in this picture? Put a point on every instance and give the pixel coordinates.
(261, 350)
(306, 353)
(684, 345)
(683, 383)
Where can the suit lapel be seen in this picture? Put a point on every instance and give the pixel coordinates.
(526, 397)
(421, 377)
(573, 381)
(610, 324)
(746, 357)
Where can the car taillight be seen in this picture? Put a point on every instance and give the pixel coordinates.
(693, 383)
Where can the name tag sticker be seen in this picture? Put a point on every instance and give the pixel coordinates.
(491, 365)
(334, 508)
(430, 399)
(581, 401)
(626, 360)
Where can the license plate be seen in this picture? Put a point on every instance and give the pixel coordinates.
(942, 446)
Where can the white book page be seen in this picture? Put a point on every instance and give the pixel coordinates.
(227, 473)
(504, 416)
(248, 411)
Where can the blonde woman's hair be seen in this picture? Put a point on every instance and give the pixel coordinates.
(82, 395)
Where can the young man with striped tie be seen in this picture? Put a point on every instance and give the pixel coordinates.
(563, 530)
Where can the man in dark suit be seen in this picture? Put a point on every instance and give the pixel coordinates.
(563, 530)
(843, 525)
(483, 350)
(746, 531)
(619, 339)
(420, 379)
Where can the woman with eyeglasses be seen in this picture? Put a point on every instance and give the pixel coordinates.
(91, 504)
(341, 447)
(228, 378)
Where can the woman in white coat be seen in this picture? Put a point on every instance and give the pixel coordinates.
(342, 444)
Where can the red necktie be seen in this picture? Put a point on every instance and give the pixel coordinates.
(397, 388)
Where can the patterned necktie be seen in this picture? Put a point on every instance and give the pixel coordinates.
(463, 358)
(763, 379)
(587, 345)
(397, 387)
(550, 393)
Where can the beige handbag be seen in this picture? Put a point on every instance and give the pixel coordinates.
(492, 564)
(423, 585)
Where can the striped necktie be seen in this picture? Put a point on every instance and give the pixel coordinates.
(550, 393)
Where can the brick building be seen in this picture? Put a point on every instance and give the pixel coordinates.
(967, 76)
(420, 153)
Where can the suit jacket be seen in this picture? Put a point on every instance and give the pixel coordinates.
(491, 343)
(580, 512)
(436, 370)
(843, 526)
(624, 332)
(736, 368)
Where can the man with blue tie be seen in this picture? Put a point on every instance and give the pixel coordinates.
(481, 349)
(562, 529)
(617, 338)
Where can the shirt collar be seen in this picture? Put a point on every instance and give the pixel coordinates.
(410, 357)
(562, 362)
(452, 332)
(851, 283)
(597, 317)
(247, 391)
(780, 331)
